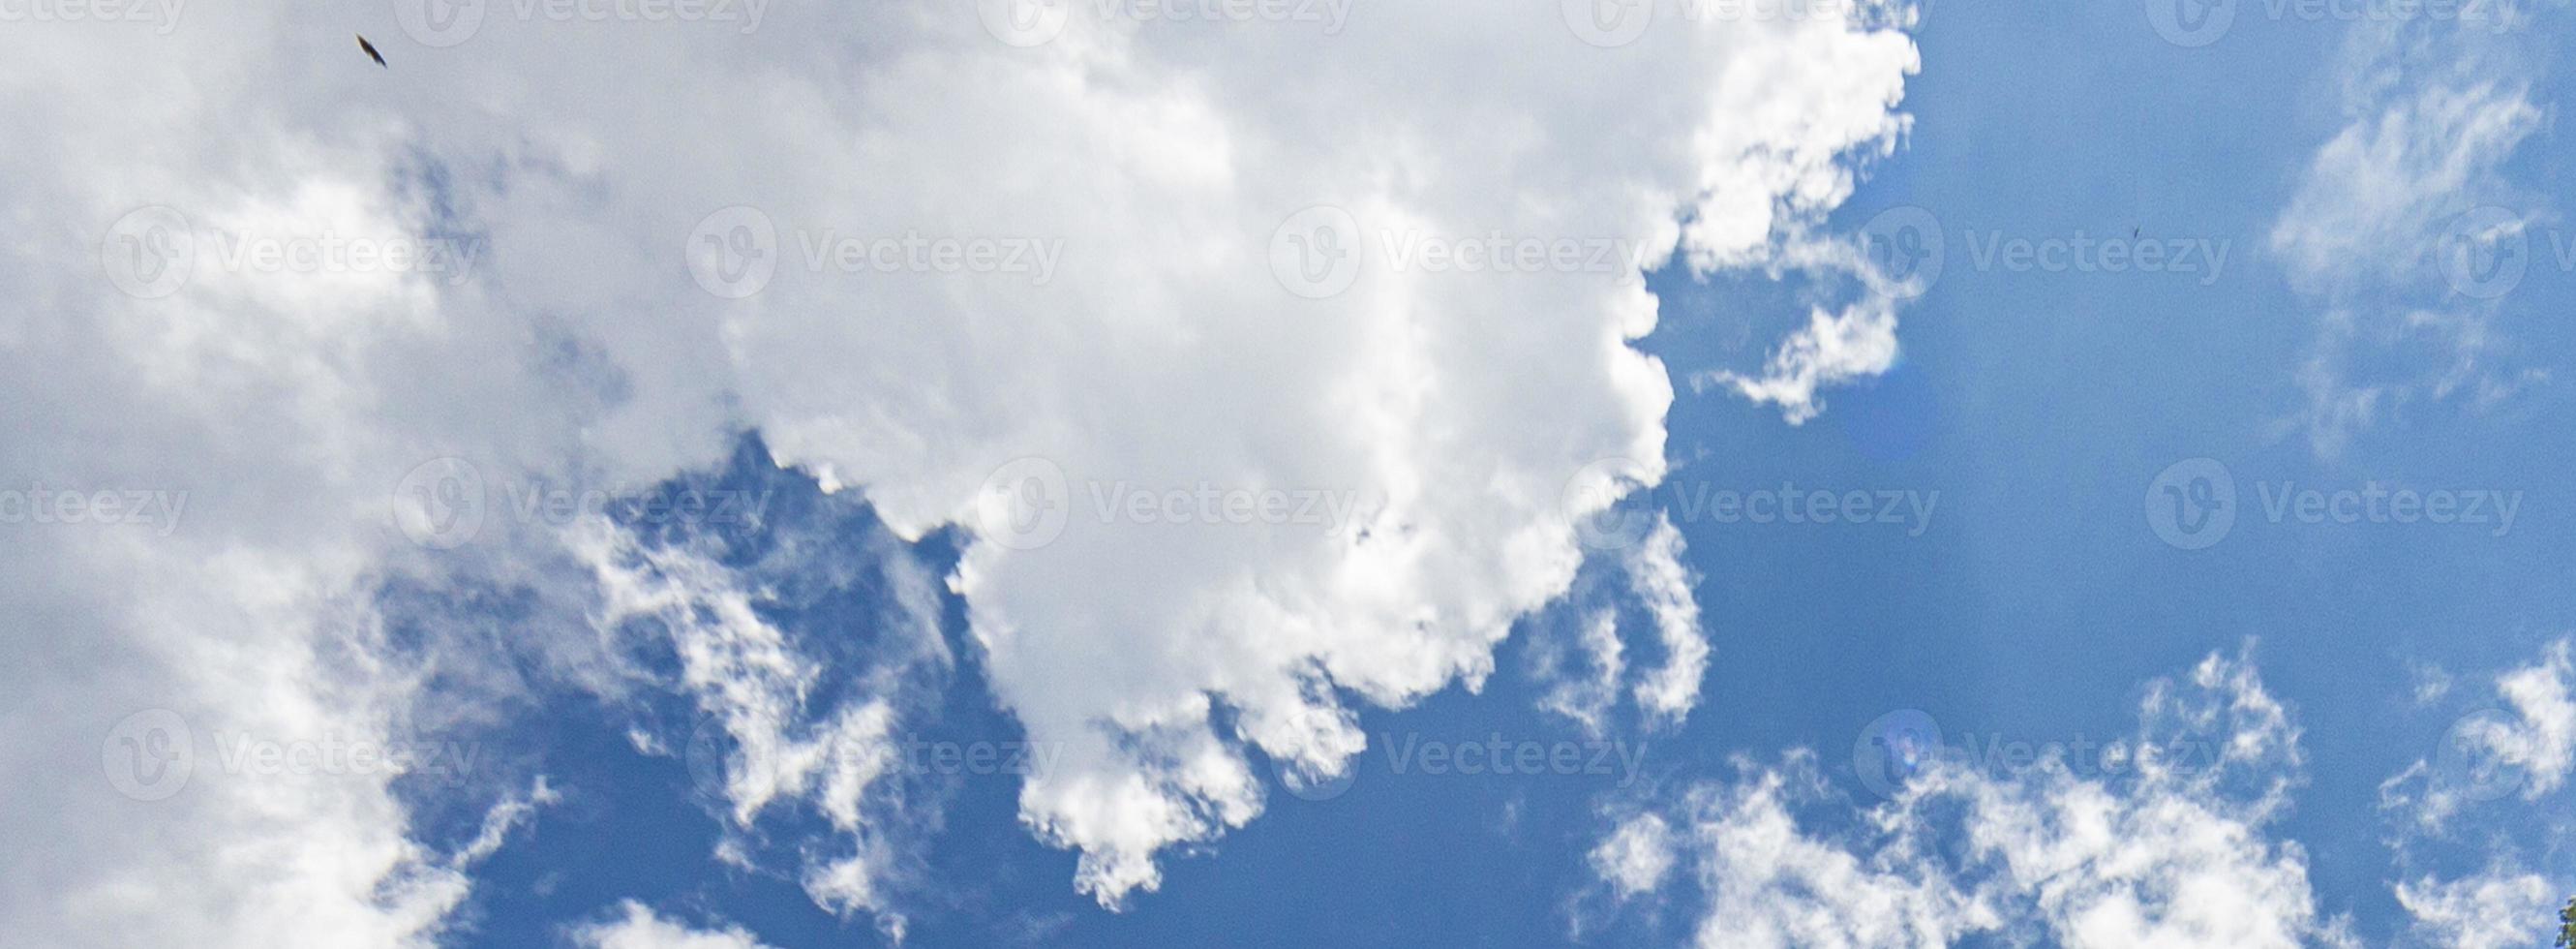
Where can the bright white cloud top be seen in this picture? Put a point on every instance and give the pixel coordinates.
(1097, 259)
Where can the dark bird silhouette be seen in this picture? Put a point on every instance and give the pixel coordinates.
(2133, 233)
(370, 50)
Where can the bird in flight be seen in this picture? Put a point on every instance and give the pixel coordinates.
(370, 50)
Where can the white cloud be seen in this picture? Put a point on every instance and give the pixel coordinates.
(1161, 353)
(1832, 348)
(1587, 699)
(2173, 852)
(2525, 748)
(641, 928)
(2435, 108)
(1584, 677)
(1636, 856)
(2493, 910)
(1657, 575)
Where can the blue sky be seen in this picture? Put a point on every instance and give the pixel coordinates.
(737, 513)
(2034, 409)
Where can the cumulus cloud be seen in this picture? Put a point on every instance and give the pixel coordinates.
(2526, 748)
(1636, 856)
(2486, 796)
(641, 928)
(2499, 908)
(1834, 347)
(2143, 848)
(569, 333)
(1584, 677)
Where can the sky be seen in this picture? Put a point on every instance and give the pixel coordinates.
(1056, 472)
